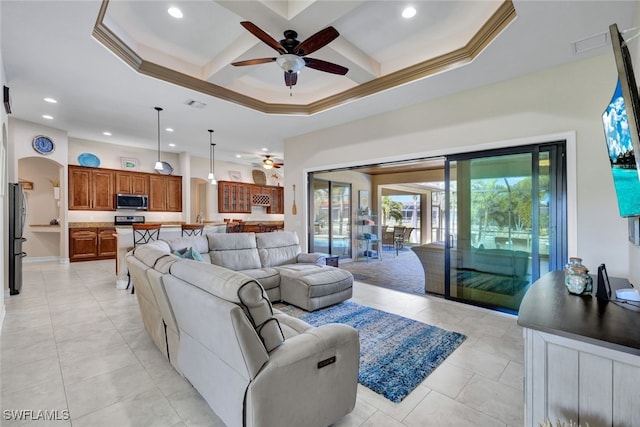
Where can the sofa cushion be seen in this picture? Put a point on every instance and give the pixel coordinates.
(237, 288)
(269, 278)
(277, 248)
(235, 251)
(199, 244)
(188, 253)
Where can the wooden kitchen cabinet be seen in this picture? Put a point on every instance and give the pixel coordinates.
(92, 243)
(234, 197)
(276, 195)
(91, 189)
(238, 197)
(132, 183)
(83, 244)
(107, 243)
(165, 193)
(96, 189)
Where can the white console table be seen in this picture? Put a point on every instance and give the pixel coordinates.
(582, 356)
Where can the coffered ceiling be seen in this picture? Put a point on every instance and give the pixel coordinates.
(110, 64)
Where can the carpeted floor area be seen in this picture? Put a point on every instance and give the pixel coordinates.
(402, 272)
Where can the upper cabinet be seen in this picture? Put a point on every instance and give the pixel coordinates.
(132, 183)
(234, 197)
(91, 189)
(96, 189)
(165, 193)
(277, 200)
(239, 197)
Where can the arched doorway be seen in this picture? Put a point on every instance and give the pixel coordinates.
(45, 219)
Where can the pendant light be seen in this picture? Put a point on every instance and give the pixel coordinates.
(158, 165)
(212, 146)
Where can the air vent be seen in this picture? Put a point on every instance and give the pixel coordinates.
(195, 104)
(589, 43)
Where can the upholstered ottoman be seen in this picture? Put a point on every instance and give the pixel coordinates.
(312, 286)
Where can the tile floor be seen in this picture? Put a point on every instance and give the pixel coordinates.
(71, 341)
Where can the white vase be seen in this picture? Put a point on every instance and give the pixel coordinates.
(56, 193)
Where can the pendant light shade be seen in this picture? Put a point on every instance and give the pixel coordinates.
(211, 176)
(158, 165)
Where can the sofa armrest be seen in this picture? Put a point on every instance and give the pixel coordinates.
(312, 258)
(314, 341)
(310, 380)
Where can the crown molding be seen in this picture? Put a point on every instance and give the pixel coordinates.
(502, 17)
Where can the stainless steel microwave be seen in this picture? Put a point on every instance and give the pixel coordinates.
(132, 201)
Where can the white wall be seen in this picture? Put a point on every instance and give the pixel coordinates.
(3, 200)
(634, 251)
(565, 99)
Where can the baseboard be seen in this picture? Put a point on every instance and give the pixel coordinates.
(30, 260)
(3, 310)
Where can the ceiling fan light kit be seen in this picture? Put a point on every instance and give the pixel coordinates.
(292, 52)
(268, 163)
(290, 63)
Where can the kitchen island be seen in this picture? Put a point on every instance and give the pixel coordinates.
(582, 355)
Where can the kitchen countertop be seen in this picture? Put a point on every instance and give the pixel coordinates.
(164, 223)
(111, 224)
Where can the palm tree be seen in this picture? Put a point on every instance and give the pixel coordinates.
(391, 209)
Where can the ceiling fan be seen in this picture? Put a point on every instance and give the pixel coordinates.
(268, 163)
(293, 53)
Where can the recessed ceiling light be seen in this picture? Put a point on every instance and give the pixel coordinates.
(408, 12)
(169, 129)
(175, 12)
(50, 100)
(265, 149)
(48, 117)
(105, 133)
(238, 156)
(171, 144)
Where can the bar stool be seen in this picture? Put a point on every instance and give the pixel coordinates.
(192, 229)
(142, 233)
(235, 227)
(267, 228)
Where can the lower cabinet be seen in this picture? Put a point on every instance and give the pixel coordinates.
(92, 243)
(567, 379)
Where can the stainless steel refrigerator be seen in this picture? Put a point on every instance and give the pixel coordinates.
(17, 217)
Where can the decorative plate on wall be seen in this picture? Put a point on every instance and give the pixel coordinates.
(43, 144)
(167, 169)
(88, 159)
(259, 177)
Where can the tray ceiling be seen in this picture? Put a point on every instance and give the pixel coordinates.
(381, 49)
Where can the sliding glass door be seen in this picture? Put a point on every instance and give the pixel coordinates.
(330, 217)
(506, 222)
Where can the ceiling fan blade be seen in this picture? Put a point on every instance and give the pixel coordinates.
(253, 61)
(290, 79)
(316, 41)
(266, 38)
(328, 67)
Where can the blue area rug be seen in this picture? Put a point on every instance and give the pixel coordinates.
(396, 353)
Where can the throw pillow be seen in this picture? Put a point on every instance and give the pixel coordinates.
(188, 253)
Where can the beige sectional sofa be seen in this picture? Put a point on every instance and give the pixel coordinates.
(254, 365)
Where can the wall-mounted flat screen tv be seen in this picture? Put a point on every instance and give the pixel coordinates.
(621, 124)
